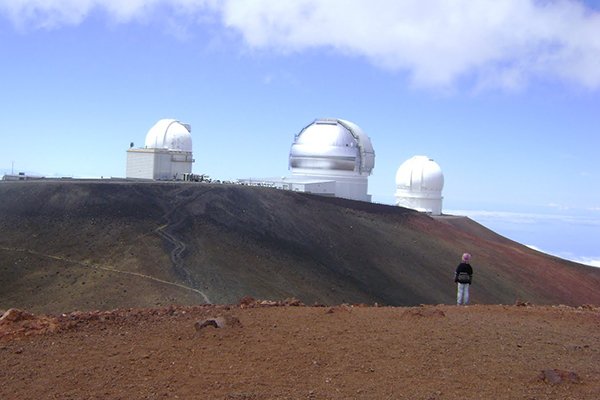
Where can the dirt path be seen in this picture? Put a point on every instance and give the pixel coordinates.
(106, 268)
(174, 217)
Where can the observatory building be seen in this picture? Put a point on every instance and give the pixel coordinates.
(334, 150)
(167, 153)
(419, 183)
(329, 157)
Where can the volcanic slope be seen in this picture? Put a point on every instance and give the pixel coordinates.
(101, 245)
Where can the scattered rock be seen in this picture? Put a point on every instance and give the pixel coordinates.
(17, 322)
(229, 322)
(342, 308)
(16, 315)
(556, 376)
(205, 324)
(293, 302)
(218, 322)
(423, 312)
(588, 307)
(268, 303)
(250, 302)
(519, 303)
(245, 302)
(563, 307)
(241, 396)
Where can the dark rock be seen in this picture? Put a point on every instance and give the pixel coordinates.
(218, 322)
(424, 312)
(520, 303)
(556, 376)
(206, 323)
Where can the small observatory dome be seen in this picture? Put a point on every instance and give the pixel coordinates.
(170, 134)
(419, 183)
(328, 147)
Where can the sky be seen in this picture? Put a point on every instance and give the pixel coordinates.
(503, 94)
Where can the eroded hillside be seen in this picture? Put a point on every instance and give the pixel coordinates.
(85, 245)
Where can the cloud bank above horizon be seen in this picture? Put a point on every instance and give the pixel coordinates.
(439, 44)
(536, 224)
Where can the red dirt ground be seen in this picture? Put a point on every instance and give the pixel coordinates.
(298, 352)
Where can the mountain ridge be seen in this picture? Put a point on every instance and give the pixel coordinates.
(85, 245)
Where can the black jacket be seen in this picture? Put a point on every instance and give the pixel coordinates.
(464, 267)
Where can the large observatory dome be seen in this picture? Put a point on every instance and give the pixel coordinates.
(170, 134)
(419, 183)
(330, 146)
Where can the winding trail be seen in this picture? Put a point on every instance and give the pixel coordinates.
(175, 217)
(107, 268)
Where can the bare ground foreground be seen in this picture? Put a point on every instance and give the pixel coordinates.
(254, 351)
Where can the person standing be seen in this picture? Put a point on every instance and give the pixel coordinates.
(463, 277)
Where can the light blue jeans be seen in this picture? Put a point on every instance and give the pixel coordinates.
(462, 297)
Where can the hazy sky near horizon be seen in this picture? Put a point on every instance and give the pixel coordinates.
(503, 94)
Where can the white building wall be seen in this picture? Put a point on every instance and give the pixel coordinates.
(348, 184)
(354, 189)
(162, 167)
(314, 186)
(158, 164)
(181, 163)
(428, 205)
(322, 188)
(140, 164)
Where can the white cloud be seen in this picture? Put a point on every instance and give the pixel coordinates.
(535, 248)
(538, 224)
(589, 261)
(526, 218)
(502, 43)
(51, 14)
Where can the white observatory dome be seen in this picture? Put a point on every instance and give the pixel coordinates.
(330, 146)
(334, 152)
(170, 134)
(419, 183)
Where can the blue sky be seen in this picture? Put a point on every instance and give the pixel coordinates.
(503, 95)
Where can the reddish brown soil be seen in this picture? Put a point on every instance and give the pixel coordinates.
(286, 352)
